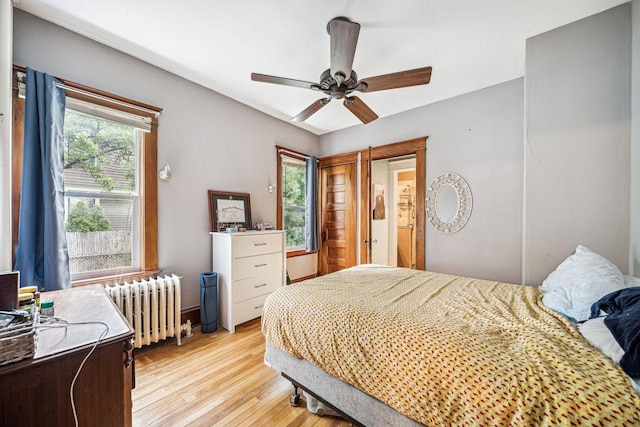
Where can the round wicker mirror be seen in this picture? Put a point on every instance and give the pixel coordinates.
(441, 204)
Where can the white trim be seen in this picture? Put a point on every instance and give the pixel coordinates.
(94, 110)
(293, 153)
(108, 99)
(99, 195)
(287, 160)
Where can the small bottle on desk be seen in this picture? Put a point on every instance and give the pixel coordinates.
(47, 308)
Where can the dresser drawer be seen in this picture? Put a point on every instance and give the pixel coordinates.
(248, 309)
(250, 245)
(257, 266)
(255, 286)
(250, 266)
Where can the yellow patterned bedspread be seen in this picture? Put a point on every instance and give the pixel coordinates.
(447, 350)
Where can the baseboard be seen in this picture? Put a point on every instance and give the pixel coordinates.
(192, 314)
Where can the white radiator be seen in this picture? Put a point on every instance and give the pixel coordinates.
(152, 308)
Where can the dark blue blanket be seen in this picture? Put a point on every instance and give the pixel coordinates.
(623, 320)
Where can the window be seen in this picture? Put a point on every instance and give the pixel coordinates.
(102, 197)
(292, 188)
(293, 200)
(110, 183)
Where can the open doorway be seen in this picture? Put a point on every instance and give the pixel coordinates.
(393, 217)
(392, 211)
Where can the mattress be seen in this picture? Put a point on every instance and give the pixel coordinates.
(446, 350)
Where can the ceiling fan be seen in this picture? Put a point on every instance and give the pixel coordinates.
(339, 81)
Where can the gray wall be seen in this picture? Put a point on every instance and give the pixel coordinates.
(577, 149)
(203, 135)
(577, 182)
(634, 256)
(479, 136)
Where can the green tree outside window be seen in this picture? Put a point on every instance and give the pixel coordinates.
(293, 202)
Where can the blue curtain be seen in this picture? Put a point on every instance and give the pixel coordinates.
(42, 256)
(311, 211)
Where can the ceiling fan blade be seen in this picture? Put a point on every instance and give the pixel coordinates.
(283, 81)
(419, 76)
(344, 38)
(308, 112)
(360, 109)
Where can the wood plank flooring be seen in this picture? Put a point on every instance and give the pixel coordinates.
(216, 379)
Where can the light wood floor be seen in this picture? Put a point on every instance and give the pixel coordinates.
(215, 379)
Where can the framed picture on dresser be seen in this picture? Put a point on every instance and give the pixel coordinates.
(228, 209)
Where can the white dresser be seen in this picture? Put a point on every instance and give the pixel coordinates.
(250, 265)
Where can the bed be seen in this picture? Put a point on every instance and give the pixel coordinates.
(393, 346)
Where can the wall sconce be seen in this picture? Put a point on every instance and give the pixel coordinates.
(271, 188)
(165, 173)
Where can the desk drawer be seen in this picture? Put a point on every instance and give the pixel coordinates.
(257, 266)
(249, 309)
(257, 244)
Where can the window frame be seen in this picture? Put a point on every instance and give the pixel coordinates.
(148, 184)
(294, 251)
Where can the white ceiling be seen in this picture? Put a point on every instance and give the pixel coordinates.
(470, 44)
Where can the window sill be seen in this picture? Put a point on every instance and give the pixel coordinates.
(105, 280)
(299, 252)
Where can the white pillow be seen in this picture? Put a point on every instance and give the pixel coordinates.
(599, 336)
(579, 281)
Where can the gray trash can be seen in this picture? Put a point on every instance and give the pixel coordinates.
(208, 302)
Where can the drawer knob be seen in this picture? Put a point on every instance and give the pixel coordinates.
(259, 306)
(260, 244)
(259, 286)
(259, 265)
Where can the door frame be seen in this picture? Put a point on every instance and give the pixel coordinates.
(417, 147)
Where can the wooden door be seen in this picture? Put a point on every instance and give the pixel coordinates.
(338, 192)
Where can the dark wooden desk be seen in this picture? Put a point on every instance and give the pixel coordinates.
(36, 391)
